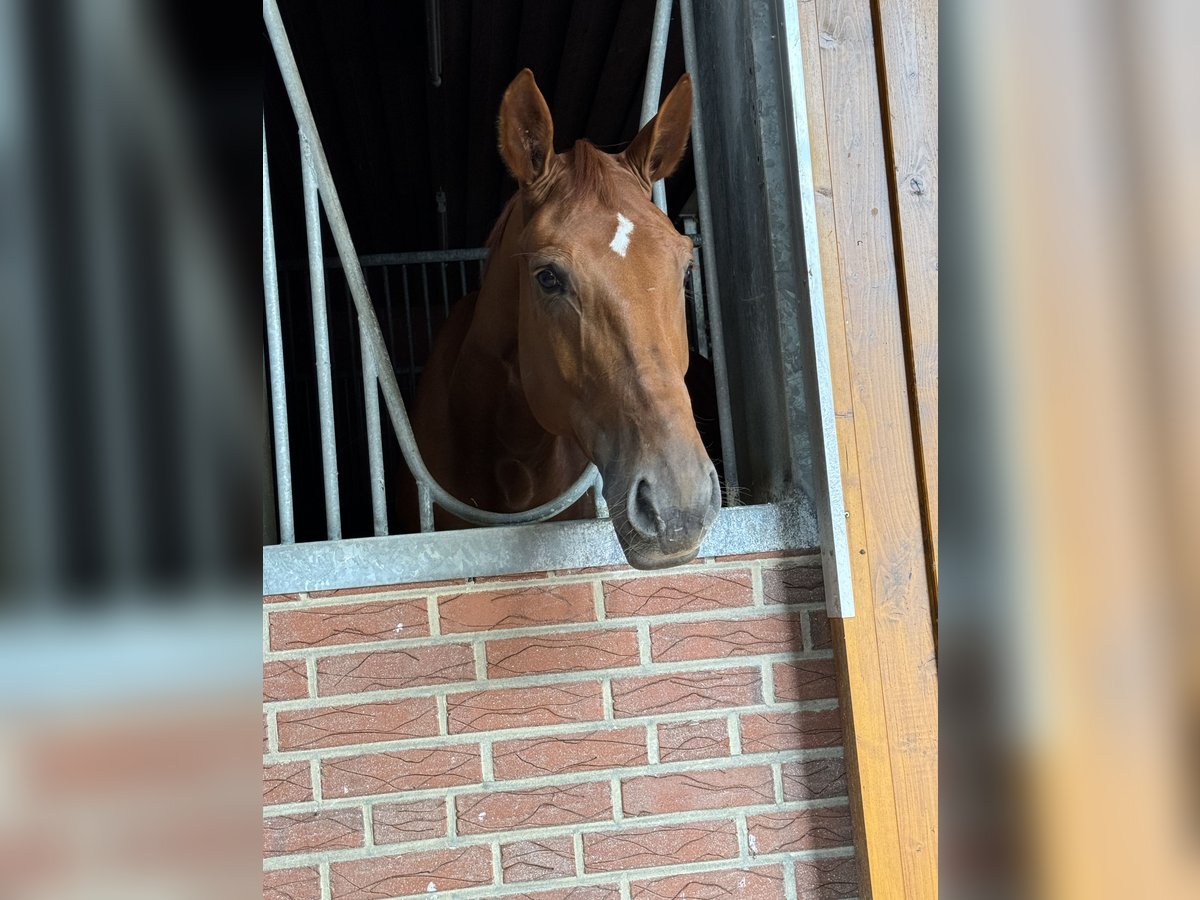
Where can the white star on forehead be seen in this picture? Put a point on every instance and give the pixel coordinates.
(620, 240)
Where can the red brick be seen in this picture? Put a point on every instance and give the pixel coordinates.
(582, 752)
(288, 782)
(574, 652)
(818, 629)
(327, 626)
(328, 829)
(590, 892)
(401, 770)
(693, 740)
(418, 872)
(522, 707)
(805, 829)
(538, 860)
(337, 726)
(826, 879)
(280, 598)
(709, 789)
(809, 679)
(266, 737)
(285, 679)
(763, 732)
(518, 607)
(661, 594)
(764, 883)
(383, 670)
(533, 808)
(292, 884)
(794, 584)
(664, 845)
(722, 638)
(686, 691)
(388, 588)
(416, 820)
(814, 779)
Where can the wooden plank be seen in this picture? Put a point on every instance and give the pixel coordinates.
(892, 732)
(907, 49)
(869, 765)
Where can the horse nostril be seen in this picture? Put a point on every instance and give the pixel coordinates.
(643, 513)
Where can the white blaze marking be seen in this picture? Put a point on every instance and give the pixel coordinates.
(620, 241)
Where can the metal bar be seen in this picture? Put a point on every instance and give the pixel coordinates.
(699, 319)
(366, 562)
(362, 301)
(428, 313)
(412, 354)
(279, 416)
(316, 274)
(367, 260)
(445, 292)
(654, 77)
(374, 441)
(700, 161)
(425, 503)
(826, 462)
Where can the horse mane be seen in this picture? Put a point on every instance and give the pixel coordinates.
(587, 177)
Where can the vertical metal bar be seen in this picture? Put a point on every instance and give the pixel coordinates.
(598, 496)
(316, 274)
(425, 502)
(698, 316)
(412, 355)
(428, 314)
(445, 292)
(654, 77)
(279, 416)
(700, 161)
(374, 439)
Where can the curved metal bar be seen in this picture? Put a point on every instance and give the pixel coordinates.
(372, 334)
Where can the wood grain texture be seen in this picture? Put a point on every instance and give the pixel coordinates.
(907, 50)
(891, 735)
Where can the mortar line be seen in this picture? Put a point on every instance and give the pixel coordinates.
(618, 805)
(743, 834)
(443, 715)
(275, 863)
(314, 776)
(479, 650)
(577, 845)
(789, 879)
(758, 600)
(434, 615)
(497, 865)
(598, 600)
(652, 751)
(644, 647)
(806, 631)
(735, 734)
(768, 682)
(310, 672)
(324, 878)
(451, 818)
(368, 815)
(606, 699)
(623, 886)
(777, 780)
(486, 764)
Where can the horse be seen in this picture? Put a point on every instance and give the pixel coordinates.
(575, 348)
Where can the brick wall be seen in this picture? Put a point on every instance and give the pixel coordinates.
(591, 735)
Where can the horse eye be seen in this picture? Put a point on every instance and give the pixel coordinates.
(548, 280)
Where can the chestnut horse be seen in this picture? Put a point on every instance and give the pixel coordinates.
(575, 347)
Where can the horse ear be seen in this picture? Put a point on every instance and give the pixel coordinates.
(659, 146)
(526, 130)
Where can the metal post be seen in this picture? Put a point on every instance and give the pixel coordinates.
(698, 316)
(654, 77)
(316, 275)
(374, 440)
(279, 416)
(700, 161)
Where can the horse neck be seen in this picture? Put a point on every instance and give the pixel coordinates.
(494, 329)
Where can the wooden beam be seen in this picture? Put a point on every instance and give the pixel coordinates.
(907, 55)
(885, 653)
